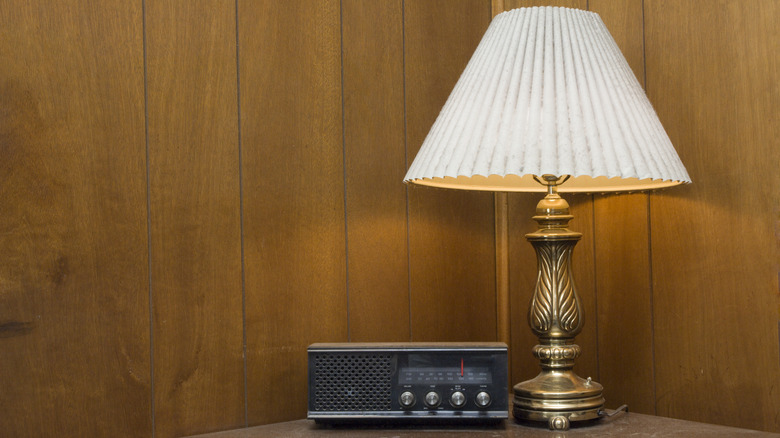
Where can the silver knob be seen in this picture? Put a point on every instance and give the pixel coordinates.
(407, 399)
(457, 399)
(483, 399)
(432, 399)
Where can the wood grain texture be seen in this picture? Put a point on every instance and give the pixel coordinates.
(513, 4)
(622, 255)
(293, 185)
(74, 315)
(625, 325)
(75, 340)
(378, 262)
(195, 217)
(712, 73)
(451, 232)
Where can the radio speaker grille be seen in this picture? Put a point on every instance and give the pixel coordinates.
(352, 382)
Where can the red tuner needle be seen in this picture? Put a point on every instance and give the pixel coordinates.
(461, 367)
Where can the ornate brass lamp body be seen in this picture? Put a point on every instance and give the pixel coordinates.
(557, 395)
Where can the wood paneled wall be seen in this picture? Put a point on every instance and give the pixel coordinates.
(74, 269)
(716, 84)
(192, 192)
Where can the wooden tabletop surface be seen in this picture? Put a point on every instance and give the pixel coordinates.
(628, 424)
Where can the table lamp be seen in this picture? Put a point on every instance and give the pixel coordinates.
(548, 103)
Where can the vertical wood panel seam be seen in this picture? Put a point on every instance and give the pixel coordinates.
(595, 283)
(148, 217)
(406, 165)
(652, 305)
(595, 270)
(653, 365)
(241, 220)
(344, 168)
(501, 241)
(644, 50)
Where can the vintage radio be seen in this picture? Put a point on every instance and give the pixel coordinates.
(408, 382)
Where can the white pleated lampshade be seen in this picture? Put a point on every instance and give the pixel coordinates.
(547, 92)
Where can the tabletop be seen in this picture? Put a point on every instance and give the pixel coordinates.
(624, 424)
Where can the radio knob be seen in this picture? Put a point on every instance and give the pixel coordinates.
(432, 399)
(483, 399)
(457, 399)
(407, 399)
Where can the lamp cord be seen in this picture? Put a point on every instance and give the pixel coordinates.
(621, 410)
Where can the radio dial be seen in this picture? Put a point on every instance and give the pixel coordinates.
(432, 399)
(483, 399)
(457, 399)
(407, 399)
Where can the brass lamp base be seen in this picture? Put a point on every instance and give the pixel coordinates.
(557, 398)
(557, 395)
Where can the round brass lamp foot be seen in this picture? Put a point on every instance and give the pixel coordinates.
(557, 398)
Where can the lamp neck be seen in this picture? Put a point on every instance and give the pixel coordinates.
(552, 212)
